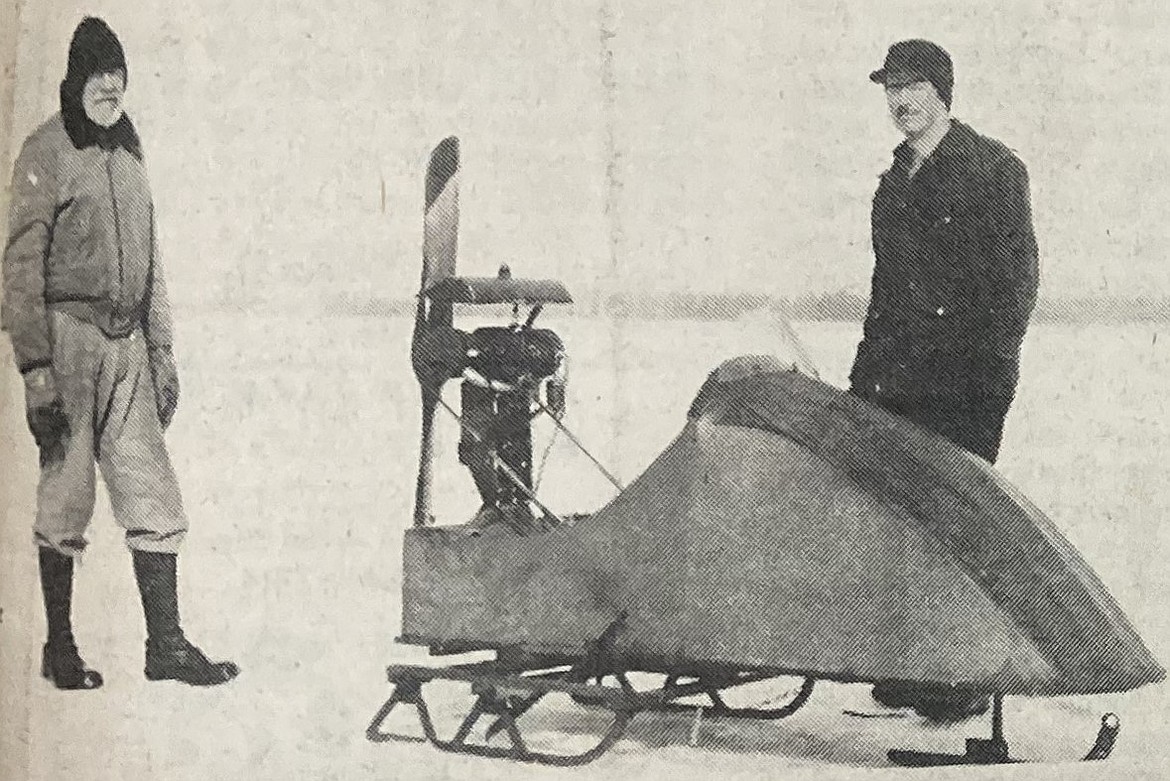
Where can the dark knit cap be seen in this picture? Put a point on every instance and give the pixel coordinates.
(916, 60)
(94, 49)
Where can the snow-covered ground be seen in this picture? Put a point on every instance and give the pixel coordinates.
(296, 443)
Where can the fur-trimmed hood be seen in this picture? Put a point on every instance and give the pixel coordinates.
(94, 49)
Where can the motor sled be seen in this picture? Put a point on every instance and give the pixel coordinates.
(790, 533)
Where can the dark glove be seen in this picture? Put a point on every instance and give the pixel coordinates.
(166, 384)
(45, 414)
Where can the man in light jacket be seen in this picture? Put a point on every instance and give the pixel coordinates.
(85, 306)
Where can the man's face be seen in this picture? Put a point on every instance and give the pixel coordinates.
(102, 97)
(914, 106)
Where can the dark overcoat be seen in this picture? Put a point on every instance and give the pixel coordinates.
(955, 274)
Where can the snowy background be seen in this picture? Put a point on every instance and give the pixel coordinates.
(287, 143)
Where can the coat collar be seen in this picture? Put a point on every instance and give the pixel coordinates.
(959, 141)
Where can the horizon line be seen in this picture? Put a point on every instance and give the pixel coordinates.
(840, 306)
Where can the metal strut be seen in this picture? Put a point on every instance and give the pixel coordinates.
(561, 426)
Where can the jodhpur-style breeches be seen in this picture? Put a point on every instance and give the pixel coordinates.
(109, 399)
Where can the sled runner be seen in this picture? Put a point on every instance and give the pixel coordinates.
(790, 533)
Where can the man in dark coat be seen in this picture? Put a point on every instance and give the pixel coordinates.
(954, 284)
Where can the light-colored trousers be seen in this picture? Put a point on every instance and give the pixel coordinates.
(109, 399)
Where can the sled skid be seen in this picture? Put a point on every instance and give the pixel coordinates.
(664, 699)
(980, 751)
(505, 691)
(720, 709)
(994, 750)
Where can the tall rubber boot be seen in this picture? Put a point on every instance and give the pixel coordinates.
(61, 662)
(169, 655)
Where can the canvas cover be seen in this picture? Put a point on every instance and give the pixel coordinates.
(794, 527)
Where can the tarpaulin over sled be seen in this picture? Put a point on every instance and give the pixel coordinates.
(792, 526)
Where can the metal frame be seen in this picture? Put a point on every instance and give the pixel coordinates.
(506, 693)
(507, 687)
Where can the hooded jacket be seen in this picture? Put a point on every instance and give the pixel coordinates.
(81, 231)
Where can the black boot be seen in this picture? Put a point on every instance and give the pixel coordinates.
(61, 662)
(896, 695)
(169, 655)
(947, 705)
